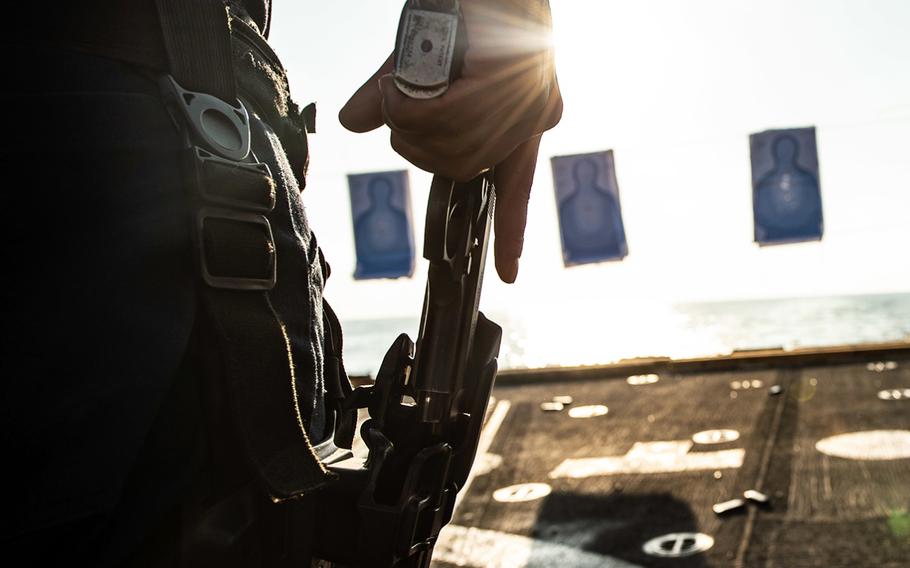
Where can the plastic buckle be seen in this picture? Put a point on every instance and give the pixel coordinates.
(235, 282)
(219, 126)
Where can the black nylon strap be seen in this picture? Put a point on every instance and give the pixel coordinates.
(242, 186)
(234, 249)
(197, 39)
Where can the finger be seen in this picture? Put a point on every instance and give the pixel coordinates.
(412, 153)
(522, 123)
(501, 137)
(443, 114)
(405, 114)
(552, 114)
(471, 146)
(460, 169)
(472, 104)
(489, 138)
(493, 141)
(363, 112)
(462, 155)
(514, 178)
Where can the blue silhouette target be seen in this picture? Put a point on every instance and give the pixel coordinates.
(786, 195)
(590, 217)
(383, 227)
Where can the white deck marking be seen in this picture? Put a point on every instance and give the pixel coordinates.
(591, 411)
(716, 437)
(480, 548)
(486, 463)
(678, 545)
(551, 406)
(638, 380)
(868, 446)
(651, 457)
(894, 394)
(881, 366)
(522, 492)
(483, 446)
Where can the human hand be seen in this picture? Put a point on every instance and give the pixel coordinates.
(493, 115)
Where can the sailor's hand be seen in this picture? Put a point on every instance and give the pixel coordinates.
(493, 115)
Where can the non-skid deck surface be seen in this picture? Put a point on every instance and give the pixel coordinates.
(638, 474)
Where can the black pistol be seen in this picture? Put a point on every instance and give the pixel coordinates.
(429, 399)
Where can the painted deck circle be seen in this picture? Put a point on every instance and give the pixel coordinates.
(522, 492)
(715, 437)
(637, 380)
(678, 545)
(588, 411)
(872, 445)
(894, 394)
(881, 366)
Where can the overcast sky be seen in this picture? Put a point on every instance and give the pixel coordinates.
(675, 89)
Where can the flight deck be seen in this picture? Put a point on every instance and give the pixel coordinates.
(795, 460)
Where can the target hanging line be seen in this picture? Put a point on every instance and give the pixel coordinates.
(383, 226)
(786, 193)
(587, 201)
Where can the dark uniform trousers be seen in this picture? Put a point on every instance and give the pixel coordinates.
(117, 436)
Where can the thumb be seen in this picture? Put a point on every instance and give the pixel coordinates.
(364, 111)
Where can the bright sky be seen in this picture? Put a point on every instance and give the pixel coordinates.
(674, 88)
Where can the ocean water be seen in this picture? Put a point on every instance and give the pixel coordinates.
(570, 334)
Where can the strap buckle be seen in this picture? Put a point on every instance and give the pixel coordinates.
(221, 127)
(236, 250)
